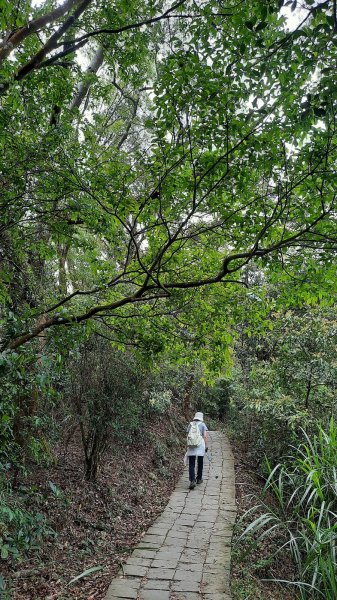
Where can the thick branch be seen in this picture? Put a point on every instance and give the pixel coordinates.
(123, 28)
(53, 60)
(83, 87)
(51, 44)
(37, 60)
(14, 39)
(142, 295)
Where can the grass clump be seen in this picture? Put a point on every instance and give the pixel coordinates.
(299, 510)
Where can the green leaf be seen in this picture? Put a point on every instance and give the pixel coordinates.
(319, 112)
(86, 573)
(261, 26)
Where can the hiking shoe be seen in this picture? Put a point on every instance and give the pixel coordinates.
(192, 485)
(199, 480)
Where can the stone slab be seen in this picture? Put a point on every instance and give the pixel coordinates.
(154, 573)
(153, 595)
(140, 562)
(165, 564)
(184, 575)
(185, 596)
(122, 590)
(185, 586)
(156, 584)
(133, 570)
(185, 554)
(144, 553)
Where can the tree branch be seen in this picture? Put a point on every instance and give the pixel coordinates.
(53, 59)
(142, 295)
(51, 44)
(137, 25)
(15, 37)
(83, 87)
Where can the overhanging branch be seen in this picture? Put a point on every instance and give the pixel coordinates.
(17, 36)
(148, 293)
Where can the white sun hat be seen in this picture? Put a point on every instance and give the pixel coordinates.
(199, 416)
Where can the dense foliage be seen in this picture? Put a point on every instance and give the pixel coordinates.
(152, 153)
(303, 509)
(203, 139)
(168, 216)
(284, 378)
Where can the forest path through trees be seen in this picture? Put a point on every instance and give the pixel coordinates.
(185, 554)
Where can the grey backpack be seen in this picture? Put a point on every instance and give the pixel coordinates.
(194, 437)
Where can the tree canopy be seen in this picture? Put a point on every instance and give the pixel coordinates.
(167, 210)
(151, 151)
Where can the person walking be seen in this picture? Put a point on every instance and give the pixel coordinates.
(197, 445)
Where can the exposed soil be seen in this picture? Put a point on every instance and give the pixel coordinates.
(95, 524)
(252, 572)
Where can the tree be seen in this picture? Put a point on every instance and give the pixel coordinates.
(106, 395)
(284, 379)
(142, 198)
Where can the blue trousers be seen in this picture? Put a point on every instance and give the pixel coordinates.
(191, 467)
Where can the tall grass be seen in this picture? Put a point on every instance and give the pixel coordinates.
(302, 506)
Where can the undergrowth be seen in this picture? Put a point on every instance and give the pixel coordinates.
(298, 510)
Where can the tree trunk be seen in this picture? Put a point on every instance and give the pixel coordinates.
(62, 252)
(92, 460)
(187, 398)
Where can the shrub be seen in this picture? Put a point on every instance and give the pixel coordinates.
(304, 509)
(106, 398)
(20, 530)
(160, 401)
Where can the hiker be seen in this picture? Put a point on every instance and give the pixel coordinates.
(197, 445)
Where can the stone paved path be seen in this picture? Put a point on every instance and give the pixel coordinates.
(185, 555)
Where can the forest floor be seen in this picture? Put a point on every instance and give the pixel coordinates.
(253, 571)
(98, 524)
